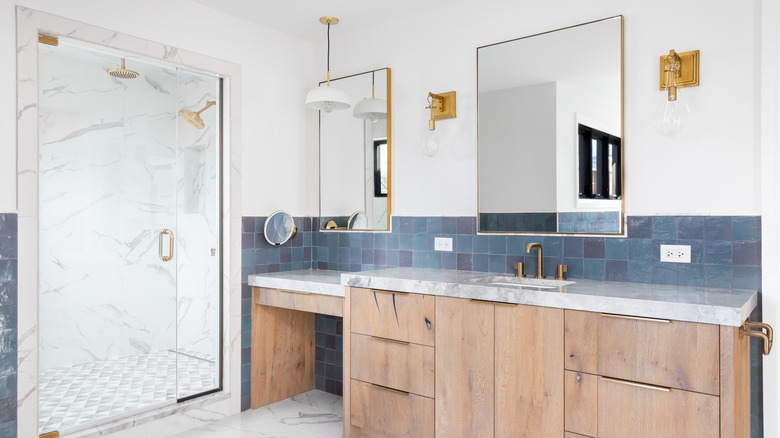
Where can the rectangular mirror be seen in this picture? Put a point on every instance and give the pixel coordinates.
(550, 129)
(355, 155)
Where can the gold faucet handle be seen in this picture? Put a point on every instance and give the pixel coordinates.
(520, 268)
(562, 270)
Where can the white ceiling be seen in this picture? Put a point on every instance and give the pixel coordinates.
(300, 18)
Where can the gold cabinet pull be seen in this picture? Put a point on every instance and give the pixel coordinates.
(385, 388)
(392, 341)
(636, 318)
(639, 385)
(168, 257)
(492, 302)
(766, 337)
(293, 292)
(389, 292)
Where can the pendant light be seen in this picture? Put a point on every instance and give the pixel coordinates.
(371, 109)
(327, 98)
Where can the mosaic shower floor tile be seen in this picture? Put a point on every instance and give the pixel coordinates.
(86, 393)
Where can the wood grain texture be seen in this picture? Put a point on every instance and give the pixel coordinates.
(377, 412)
(404, 317)
(573, 435)
(407, 367)
(581, 403)
(529, 387)
(734, 383)
(282, 354)
(631, 411)
(580, 346)
(315, 303)
(347, 362)
(681, 355)
(465, 368)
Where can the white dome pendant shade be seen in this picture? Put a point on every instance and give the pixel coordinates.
(371, 109)
(327, 98)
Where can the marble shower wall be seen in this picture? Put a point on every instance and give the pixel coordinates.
(112, 176)
(8, 323)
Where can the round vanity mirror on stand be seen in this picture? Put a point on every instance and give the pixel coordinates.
(279, 228)
(358, 221)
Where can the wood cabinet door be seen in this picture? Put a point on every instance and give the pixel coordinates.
(529, 371)
(464, 368)
(393, 315)
(628, 409)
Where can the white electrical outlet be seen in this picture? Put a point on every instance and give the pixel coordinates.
(442, 244)
(676, 253)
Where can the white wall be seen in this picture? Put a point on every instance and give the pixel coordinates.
(716, 160)
(278, 131)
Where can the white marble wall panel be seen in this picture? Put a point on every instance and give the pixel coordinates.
(107, 188)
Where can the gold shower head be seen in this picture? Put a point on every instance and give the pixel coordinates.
(123, 73)
(193, 118)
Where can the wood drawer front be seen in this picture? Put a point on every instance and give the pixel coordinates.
(581, 403)
(378, 412)
(681, 355)
(580, 330)
(394, 315)
(302, 301)
(404, 366)
(626, 410)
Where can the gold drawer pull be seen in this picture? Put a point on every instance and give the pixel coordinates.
(392, 341)
(640, 385)
(766, 338)
(636, 318)
(385, 388)
(293, 292)
(389, 292)
(492, 302)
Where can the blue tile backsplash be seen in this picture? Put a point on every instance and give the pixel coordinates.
(8, 323)
(725, 253)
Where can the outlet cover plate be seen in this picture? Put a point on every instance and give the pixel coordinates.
(443, 244)
(676, 253)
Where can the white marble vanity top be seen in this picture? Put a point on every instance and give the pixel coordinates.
(682, 303)
(309, 280)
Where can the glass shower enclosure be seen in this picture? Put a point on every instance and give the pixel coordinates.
(130, 295)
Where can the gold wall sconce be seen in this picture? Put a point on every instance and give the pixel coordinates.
(677, 70)
(442, 106)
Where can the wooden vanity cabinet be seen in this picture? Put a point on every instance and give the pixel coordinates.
(653, 378)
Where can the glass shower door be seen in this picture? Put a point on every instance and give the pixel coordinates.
(108, 274)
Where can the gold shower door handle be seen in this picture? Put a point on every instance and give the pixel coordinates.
(765, 336)
(168, 257)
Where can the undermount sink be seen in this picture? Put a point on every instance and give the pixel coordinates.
(521, 282)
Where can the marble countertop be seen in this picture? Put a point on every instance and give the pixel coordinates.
(309, 280)
(682, 303)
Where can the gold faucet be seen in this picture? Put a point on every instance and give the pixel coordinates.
(538, 246)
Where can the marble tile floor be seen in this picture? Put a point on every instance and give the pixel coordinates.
(86, 393)
(313, 414)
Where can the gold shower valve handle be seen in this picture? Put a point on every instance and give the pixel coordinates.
(766, 337)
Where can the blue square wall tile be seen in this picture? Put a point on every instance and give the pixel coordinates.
(497, 245)
(718, 276)
(690, 227)
(464, 243)
(594, 269)
(746, 252)
(510, 263)
(380, 257)
(575, 267)
(640, 272)
(434, 260)
(515, 245)
(697, 249)
(406, 241)
(664, 273)
(405, 259)
(393, 257)
(665, 227)
(497, 263)
(640, 227)
(479, 262)
(420, 225)
(690, 274)
(247, 224)
(616, 270)
(419, 259)
(616, 249)
(640, 249)
(367, 240)
(259, 224)
(368, 257)
(380, 241)
(467, 225)
(395, 224)
(449, 260)
(420, 242)
(573, 247)
(481, 244)
(9, 224)
(594, 248)
(746, 227)
(464, 262)
(551, 266)
(433, 225)
(449, 225)
(407, 225)
(746, 277)
(717, 228)
(393, 241)
(553, 246)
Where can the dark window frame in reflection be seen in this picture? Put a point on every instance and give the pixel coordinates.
(599, 158)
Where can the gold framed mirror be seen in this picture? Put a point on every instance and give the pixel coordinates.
(355, 151)
(550, 132)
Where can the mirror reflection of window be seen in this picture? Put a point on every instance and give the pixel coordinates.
(380, 168)
(599, 174)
